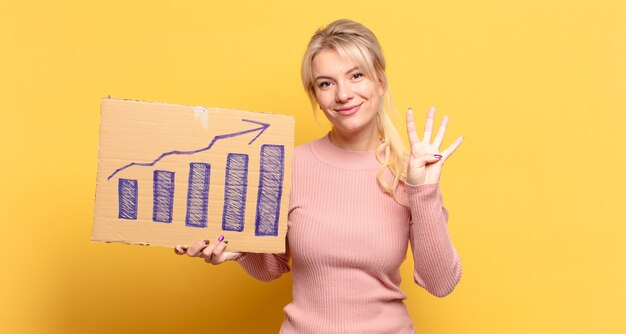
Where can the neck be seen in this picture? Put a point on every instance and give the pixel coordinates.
(365, 141)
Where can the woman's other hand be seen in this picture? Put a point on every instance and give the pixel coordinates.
(425, 161)
(212, 252)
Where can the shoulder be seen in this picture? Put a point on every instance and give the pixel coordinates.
(302, 149)
(304, 153)
(304, 168)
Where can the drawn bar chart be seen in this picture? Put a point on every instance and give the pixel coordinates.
(270, 189)
(171, 174)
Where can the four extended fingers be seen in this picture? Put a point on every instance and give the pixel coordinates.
(414, 139)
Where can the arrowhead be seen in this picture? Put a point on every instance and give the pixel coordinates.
(261, 129)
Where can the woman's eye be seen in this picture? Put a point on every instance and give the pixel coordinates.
(323, 84)
(357, 75)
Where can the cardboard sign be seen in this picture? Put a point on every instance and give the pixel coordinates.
(172, 174)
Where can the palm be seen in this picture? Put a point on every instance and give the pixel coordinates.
(424, 167)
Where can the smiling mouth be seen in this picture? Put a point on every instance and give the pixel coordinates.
(347, 111)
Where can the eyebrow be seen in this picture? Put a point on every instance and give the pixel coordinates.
(325, 77)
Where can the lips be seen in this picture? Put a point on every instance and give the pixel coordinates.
(347, 111)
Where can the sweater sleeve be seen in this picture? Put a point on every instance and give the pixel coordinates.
(437, 265)
(265, 267)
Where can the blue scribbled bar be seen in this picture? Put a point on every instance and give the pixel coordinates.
(235, 192)
(198, 194)
(127, 193)
(163, 196)
(270, 190)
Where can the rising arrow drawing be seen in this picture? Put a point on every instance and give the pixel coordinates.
(261, 129)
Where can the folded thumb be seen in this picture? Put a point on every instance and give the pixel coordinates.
(433, 158)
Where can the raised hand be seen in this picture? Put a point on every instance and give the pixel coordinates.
(425, 161)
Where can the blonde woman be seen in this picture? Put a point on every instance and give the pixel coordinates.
(357, 201)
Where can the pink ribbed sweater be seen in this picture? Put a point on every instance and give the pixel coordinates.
(347, 240)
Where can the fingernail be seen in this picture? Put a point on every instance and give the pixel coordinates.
(438, 156)
(207, 242)
(221, 238)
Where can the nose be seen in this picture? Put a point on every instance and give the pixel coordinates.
(343, 93)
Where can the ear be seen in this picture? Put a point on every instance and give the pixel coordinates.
(382, 87)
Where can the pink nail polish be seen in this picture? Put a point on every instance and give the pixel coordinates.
(221, 238)
(438, 156)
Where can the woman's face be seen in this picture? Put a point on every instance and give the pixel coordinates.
(350, 100)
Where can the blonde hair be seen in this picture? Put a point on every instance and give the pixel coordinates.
(354, 40)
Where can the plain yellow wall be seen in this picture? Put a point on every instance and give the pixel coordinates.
(536, 192)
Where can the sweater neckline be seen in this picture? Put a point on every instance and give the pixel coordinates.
(341, 158)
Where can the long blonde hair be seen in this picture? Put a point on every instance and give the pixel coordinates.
(354, 40)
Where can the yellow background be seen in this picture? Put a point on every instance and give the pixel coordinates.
(535, 193)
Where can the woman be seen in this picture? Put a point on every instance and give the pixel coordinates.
(357, 201)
